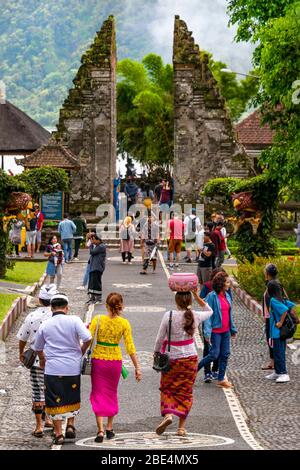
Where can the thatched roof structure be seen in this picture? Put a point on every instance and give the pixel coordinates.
(19, 134)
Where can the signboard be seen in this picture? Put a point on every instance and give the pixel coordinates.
(52, 206)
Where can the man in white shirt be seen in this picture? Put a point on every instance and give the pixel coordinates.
(26, 335)
(60, 352)
(192, 233)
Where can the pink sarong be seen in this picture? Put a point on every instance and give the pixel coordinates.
(105, 378)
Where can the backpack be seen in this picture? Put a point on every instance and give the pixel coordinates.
(192, 228)
(289, 326)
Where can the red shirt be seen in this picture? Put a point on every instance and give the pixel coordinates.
(215, 238)
(40, 219)
(222, 243)
(225, 309)
(176, 229)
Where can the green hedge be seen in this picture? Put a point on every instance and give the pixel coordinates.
(250, 276)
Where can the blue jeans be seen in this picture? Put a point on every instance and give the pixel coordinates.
(220, 349)
(279, 347)
(85, 280)
(67, 244)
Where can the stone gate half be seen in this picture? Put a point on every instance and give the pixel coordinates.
(87, 122)
(205, 145)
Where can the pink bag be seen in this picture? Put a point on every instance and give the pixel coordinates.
(183, 282)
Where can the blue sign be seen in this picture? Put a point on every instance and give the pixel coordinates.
(52, 206)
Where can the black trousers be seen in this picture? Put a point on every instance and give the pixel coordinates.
(267, 327)
(126, 254)
(77, 242)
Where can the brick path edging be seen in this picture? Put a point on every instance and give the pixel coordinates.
(251, 303)
(18, 307)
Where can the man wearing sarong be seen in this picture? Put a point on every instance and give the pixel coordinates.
(58, 346)
(96, 270)
(26, 336)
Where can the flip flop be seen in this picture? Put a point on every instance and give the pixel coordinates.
(70, 434)
(268, 367)
(58, 440)
(37, 434)
(163, 425)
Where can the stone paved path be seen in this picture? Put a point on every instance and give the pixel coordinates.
(272, 409)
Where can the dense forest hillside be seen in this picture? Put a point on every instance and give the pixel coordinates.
(41, 44)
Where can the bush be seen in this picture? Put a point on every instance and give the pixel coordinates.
(250, 276)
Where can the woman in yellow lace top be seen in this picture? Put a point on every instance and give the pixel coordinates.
(107, 362)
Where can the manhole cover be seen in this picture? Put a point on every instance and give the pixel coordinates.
(150, 440)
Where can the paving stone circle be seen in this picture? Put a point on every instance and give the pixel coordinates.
(150, 440)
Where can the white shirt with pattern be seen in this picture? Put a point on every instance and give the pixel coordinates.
(29, 329)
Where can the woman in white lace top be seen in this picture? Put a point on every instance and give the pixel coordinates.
(176, 385)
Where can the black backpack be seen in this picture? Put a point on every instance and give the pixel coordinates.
(289, 326)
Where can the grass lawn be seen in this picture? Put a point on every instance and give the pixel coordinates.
(25, 272)
(5, 302)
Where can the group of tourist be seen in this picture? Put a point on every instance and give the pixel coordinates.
(161, 194)
(61, 340)
(34, 226)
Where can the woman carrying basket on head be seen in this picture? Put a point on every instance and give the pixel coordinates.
(107, 362)
(176, 385)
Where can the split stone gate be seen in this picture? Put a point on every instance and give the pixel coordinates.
(205, 145)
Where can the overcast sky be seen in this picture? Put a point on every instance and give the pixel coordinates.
(208, 21)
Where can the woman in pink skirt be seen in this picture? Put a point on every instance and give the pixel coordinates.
(107, 363)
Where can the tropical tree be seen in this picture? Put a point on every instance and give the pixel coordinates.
(274, 26)
(145, 110)
(145, 106)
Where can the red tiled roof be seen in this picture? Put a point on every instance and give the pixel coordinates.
(251, 132)
(51, 154)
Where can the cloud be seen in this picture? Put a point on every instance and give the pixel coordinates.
(208, 21)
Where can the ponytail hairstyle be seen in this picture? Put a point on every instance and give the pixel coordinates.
(184, 302)
(114, 302)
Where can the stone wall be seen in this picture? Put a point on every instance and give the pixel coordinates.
(87, 122)
(205, 145)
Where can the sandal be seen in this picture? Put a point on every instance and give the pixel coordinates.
(70, 434)
(110, 434)
(181, 432)
(37, 434)
(224, 384)
(163, 425)
(58, 440)
(100, 436)
(268, 367)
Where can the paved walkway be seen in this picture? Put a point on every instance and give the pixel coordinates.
(271, 409)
